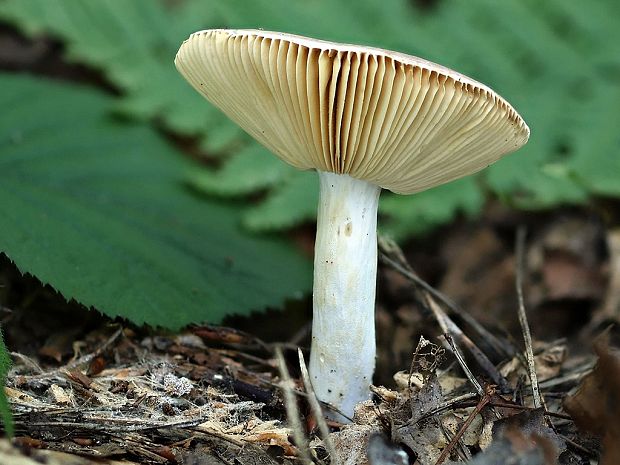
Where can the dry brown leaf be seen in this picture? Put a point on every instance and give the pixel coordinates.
(276, 437)
(596, 405)
(59, 395)
(351, 443)
(568, 259)
(518, 444)
(60, 344)
(81, 378)
(223, 335)
(421, 434)
(20, 396)
(478, 260)
(548, 364)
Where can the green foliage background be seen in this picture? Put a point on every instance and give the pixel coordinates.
(556, 61)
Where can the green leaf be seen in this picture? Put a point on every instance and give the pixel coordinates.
(292, 201)
(134, 43)
(564, 54)
(417, 214)
(252, 168)
(5, 409)
(98, 209)
(600, 134)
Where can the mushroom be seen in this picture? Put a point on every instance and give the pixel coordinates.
(365, 119)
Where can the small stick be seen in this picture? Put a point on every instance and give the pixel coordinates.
(398, 262)
(98, 351)
(448, 326)
(449, 404)
(525, 328)
(457, 353)
(300, 335)
(577, 375)
(30, 363)
(464, 401)
(462, 451)
(316, 410)
(547, 413)
(459, 358)
(404, 269)
(486, 398)
(577, 446)
(292, 410)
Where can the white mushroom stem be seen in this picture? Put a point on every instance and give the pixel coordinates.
(342, 359)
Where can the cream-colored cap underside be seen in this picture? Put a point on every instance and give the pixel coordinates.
(401, 122)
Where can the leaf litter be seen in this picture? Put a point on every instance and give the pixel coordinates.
(218, 395)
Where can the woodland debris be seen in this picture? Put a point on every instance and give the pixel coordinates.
(145, 407)
(25, 455)
(351, 443)
(383, 452)
(610, 308)
(595, 406)
(525, 326)
(292, 410)
(59, 395)
(515, 447)
(533, 442)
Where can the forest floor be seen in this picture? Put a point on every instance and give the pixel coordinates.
(104, 391)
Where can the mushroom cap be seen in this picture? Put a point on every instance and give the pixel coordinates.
(401, 122)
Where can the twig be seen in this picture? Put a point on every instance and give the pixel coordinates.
(486, 398)
(89, 357)
(441, 319)
(300, 335)
(577, 446)
(459, 358)
(390, 249)
(28, 362)
(426, 293)
(463, 401)
(525, 328)
(316, 410)
(546, 413)
(462, 451)
(407, 272)
(449, 404)
(111, 425)
(576, 375)
(292, 410)
(218, 434)
(58, 374)
(448, 326)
